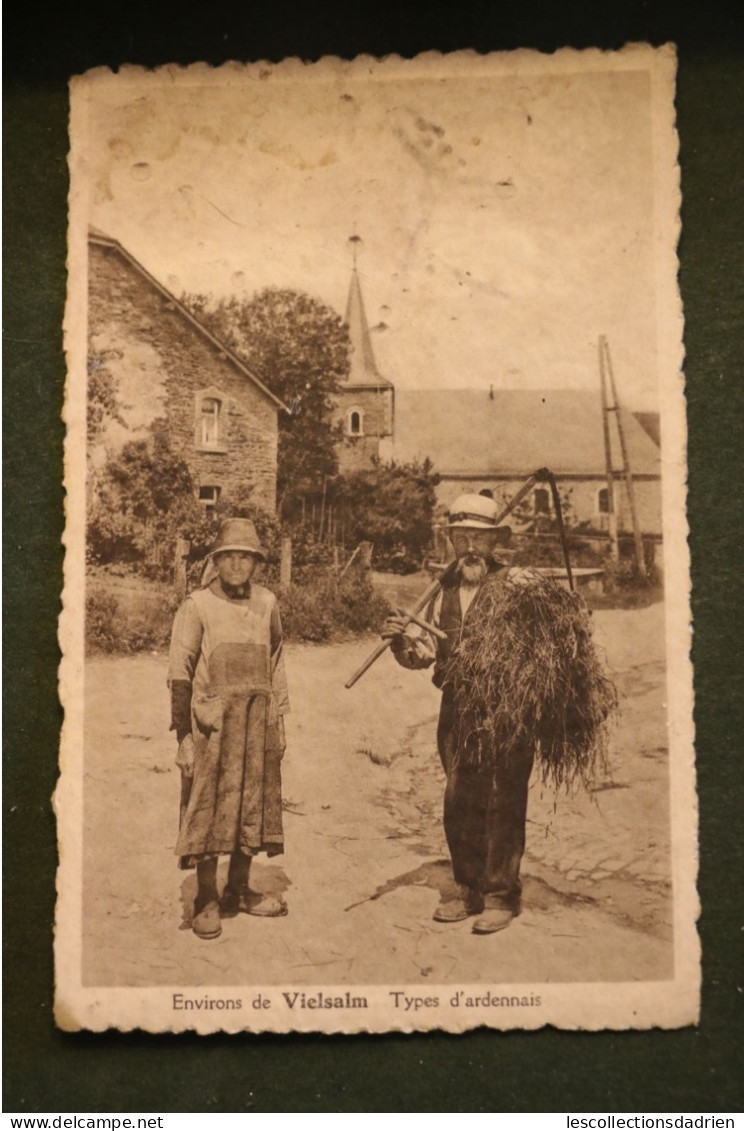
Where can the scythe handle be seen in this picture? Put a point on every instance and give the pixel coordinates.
(371, 659)
(538, 476)
(430, 592)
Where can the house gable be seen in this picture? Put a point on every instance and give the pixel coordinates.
(97, 238)
(162, 357)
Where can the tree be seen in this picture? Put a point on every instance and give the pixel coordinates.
(300, 349)
(392, 505)
(144, 499)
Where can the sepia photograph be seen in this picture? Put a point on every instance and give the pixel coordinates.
(376, 625)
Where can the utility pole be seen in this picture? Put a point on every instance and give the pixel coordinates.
(611, 511)
(637, 539)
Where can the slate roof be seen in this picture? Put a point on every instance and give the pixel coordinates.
(650, 422)
(363, 372)
(469, 432)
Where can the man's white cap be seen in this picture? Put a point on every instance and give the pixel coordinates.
(475, 511)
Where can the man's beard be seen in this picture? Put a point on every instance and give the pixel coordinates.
(472, 569)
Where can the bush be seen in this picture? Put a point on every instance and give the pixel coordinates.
(548, 551)
(320, 610)
(397, 560)
(392, 506)
(309, 556)
(125, 617)
(307, 614)
(623, 575)
(127, 621)
(100, 611)
(363, 608)
(143, 500)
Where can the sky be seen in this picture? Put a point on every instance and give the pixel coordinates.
(506, 215)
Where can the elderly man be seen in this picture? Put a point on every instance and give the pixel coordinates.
(228, 698)
(485, 809)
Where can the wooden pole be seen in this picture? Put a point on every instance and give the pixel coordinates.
(611, 512)
(365, 556)
(183, 546)
(349, 563)
(426, 596)
(637, 539)
(322, 510)
(285, 564)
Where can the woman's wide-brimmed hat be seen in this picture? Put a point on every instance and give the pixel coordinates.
(238, 534)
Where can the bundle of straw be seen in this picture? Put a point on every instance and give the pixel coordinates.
(526, 674)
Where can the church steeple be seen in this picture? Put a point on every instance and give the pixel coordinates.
(365, 403)
(363, 370)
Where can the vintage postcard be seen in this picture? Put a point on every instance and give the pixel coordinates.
(376, 628)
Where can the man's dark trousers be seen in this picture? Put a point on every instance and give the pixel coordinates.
(485, 813)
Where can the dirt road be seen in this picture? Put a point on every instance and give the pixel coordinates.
(366, 859)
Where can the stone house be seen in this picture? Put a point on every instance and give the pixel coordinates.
(219, 417)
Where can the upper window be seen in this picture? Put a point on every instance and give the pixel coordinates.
(354, 422)
(603, 501)
(211, 421)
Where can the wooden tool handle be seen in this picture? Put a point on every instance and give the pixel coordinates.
(415, 619)
(426, 596)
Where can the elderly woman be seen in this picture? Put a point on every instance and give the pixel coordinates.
(228, 698)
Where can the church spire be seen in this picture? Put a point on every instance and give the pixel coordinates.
(363, 370)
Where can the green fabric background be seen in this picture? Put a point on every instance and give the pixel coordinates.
(693, 1069)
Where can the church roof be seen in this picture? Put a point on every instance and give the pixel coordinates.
(473, 433)
(363, 372)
